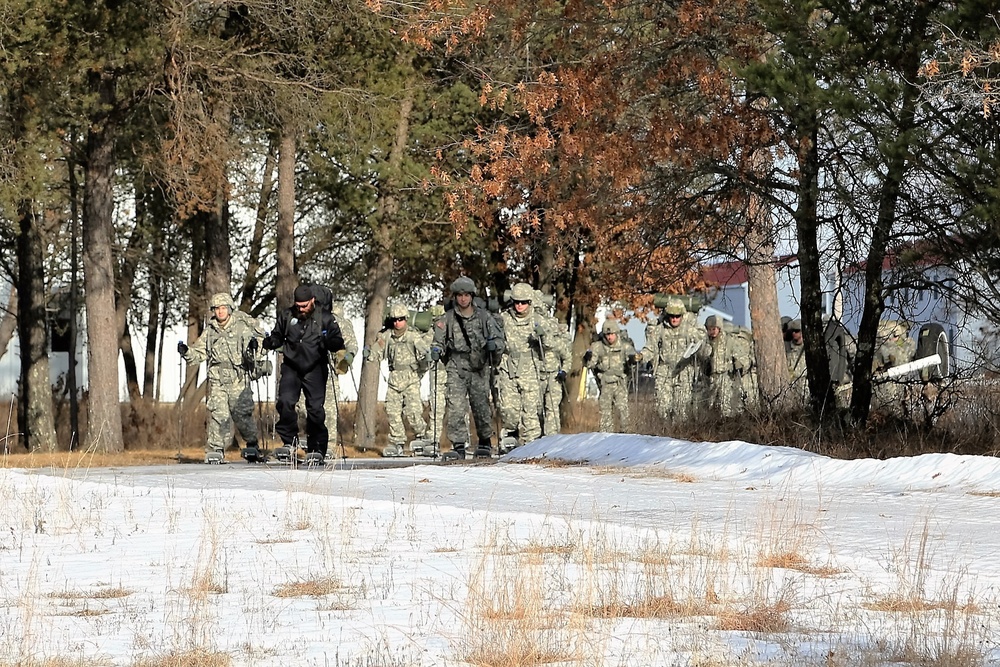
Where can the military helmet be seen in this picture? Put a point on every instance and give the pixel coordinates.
(610, 327)
(223, 299)
(398, 310)
(463, 285)
(712, 321)
(674, 307)
(795, 325)
(522, 292)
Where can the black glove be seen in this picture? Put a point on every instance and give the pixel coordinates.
(182, 348)
(587, 356)
(435, 353)
(252, 347)
(491, 345)
(268, 342)
(561, 375)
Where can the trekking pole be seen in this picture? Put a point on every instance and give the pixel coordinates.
(434, 402)
(334, 383)
(180, 404)
(364, 419)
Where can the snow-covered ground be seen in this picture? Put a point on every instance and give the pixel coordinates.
(655, 552)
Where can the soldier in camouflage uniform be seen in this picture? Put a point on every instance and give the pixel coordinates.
(406, 351)
(796, 357)
(611, 358)
(556, 358)
(340, 365)
(229, 345)
(468, 339)
(895, 348)
(725, 360)
(439, 391)
(671, 344)
(519, 372)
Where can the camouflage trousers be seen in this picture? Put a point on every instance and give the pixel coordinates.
(229, 403)
(613, 400)
(674, 394)
(520, 400)
(331, 404)
(552, 393)
(468, 389)
(403, 399)
(439, 405)
(725, 394)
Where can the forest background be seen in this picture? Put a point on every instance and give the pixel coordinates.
(599, 150)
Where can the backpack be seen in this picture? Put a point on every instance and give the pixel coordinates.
(323, 296)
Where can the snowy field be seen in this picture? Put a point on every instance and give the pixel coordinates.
(654, 552)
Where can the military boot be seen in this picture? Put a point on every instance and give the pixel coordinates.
(484, 450)
(392, 451)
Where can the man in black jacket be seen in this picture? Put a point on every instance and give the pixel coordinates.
(307, 335)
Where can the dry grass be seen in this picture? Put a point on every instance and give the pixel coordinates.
(308, 588)
(109, 593)
(57, 662)
(896, 604)
(985, 494)
(645, 472)
(757, 616)
(792, 560)
(657, 606)
(195, 658)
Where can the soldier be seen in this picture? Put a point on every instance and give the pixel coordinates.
(307, 335)
(230, 345)
(611, 357)
(556, 358)
(439, 390)
(406, 351)
(726, 359)
(340, 365)
(468, 340)
(519, 371)
(795, 355)
(671, 344)
(895, 348)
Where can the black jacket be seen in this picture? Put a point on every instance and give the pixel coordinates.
(306, 342)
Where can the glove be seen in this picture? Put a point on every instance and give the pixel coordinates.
(366, 353)
(637, 357)
(348, 358)
(268, 342)
(491, 345)
(539, 330)
(435, 353)
(561, 375)
(252, 347)
(587, 356)
(182, 348)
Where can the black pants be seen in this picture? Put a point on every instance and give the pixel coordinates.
(312, 383)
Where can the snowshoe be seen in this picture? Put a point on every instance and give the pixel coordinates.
(252, 454)
(484, 452)
(393, 451)
(454, 455)
(215, 457)
(314, 458)
(283, 454)
(418, 445)
(506, 444)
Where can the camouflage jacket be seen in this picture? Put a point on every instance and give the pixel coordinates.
(666, 345)
(610, 363)
(526, 337)
(465, 342)
(223, 348)
(406, 354)
(725, 354)
(557, 353)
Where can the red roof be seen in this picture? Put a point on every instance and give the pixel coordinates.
(726, 274)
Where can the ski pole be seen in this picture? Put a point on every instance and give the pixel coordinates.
(334, 383)
(434, 402)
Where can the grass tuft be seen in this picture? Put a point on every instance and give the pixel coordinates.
(309, 588)
(195, 658)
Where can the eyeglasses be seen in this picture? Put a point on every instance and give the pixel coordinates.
(671, 315)
(521, 303)
(397, 319)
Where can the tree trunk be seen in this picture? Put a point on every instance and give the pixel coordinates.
(196, 305)
(104, 431)
(286, 280)
(379, 279)
(36, 418)
(378, 284)
(251, 282)
(218, 252)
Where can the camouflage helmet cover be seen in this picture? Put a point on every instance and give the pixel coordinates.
(610, 327)
(463, 285)
(712, 321)
(795, 325)
(522, 292)
(674, 307)
(398, 310)
(222, 299)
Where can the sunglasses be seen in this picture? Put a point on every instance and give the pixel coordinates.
(397, 319)
(521, 302)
